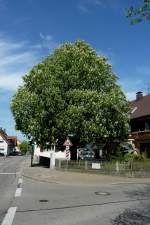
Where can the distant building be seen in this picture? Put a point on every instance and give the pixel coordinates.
(140, 123)
(7, 143)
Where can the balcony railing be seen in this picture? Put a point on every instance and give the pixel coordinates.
(141, 135)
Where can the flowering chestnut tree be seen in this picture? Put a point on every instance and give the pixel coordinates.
(73, 90)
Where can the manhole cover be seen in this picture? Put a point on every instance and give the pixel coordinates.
(101, 193)
(43, 200)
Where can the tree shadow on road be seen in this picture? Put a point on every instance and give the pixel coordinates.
(139, 193)
(139, 215)
(133, 217)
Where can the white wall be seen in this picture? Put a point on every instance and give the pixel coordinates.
(3, 146)
(38, 153)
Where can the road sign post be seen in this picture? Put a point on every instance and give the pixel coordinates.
(31, 143)
(32, 154)
(67, 152)
(52, 157)
(67, 144)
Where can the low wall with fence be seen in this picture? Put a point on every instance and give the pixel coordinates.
(129, 169)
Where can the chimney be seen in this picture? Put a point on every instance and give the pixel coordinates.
(139, 95)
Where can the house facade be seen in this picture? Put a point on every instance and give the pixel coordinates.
(140, 123)
(7, 143)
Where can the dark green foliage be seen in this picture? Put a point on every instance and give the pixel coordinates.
(133, 156)
(141, 12)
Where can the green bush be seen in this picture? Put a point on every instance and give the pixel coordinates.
(132, 156)
(117, 158)
(24, 147)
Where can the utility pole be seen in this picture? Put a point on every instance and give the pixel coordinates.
(31, 143)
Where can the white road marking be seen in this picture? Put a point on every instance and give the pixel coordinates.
(9, 173)
(18, 192)
(8, 219)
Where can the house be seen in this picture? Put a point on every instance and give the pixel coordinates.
(12, 143)
(7, 143)
(18, 146)
(140, 123)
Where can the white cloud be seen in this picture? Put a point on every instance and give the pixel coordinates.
(47, 41)
(109, 54)
(131, 86)
(46, 37)
(144, 70)
(87, 5)
(16, 59)
(10, 81)
(131, 95)
(21, 58)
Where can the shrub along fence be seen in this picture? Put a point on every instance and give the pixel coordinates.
(131, 168)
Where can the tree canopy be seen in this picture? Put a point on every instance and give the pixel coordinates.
(139, 11)
(73, 91)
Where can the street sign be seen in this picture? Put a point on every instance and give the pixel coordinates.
(67, 142)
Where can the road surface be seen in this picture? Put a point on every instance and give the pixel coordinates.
(60, 198)
(10, 169)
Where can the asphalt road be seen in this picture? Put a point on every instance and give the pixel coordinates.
(61, 198)
(10, 169)
(54, 203)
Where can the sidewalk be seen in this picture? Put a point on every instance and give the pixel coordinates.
(75, 178)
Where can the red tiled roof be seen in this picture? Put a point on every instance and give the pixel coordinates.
(8, 139)
(141, 107)
(3, 135)
(12, 139)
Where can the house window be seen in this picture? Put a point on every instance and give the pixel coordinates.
(1, 149)
(129, 128)
(1, 141)
(146, 126)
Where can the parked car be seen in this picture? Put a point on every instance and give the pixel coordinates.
(14, 153)
(85, 154)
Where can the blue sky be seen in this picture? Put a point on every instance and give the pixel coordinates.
(31, 29)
